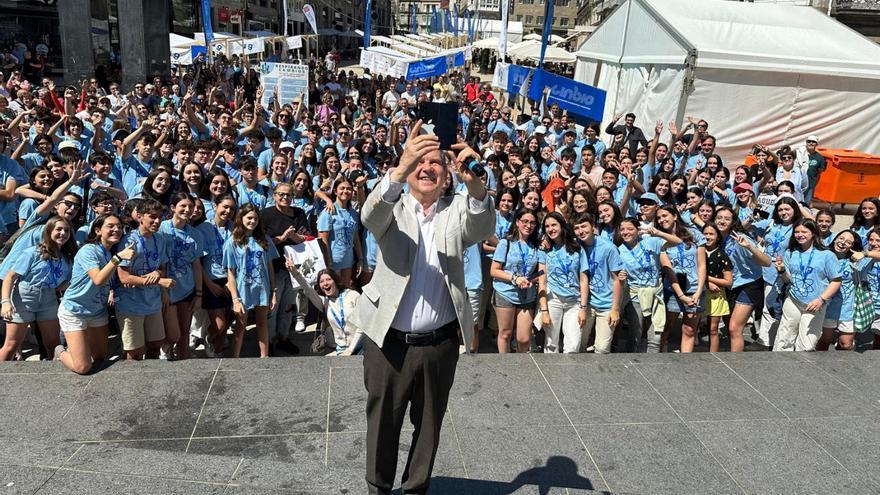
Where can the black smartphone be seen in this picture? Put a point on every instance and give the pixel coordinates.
(440, 119)
(536, 275)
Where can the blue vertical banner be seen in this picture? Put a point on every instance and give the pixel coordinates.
(368, 23)
(455, 21)
(206, 22)
(470, 26)
(446, 23)
(413, 18)
(434, 27)
(548, 30)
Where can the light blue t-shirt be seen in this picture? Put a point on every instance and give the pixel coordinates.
(342, 226)
(840, 307)
(257, 196)
(150, 255)
(563, 272)
(27, 207)
(83, 297)
(642, 262)
(131, 172)
(874, 281)
(745, 270)
(34, 270)
(371, 250)
(684, 261)
(213, 239)
(776, 237)
(473, 270)
(601, 261)
(28, 239)
(185, 246)
(251, 264)
(810, 272)
(521, 260)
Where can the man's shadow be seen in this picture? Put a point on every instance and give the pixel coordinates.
(559, 472)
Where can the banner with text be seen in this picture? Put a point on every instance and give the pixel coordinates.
(433, 67)
(290, 80)
(569, 94)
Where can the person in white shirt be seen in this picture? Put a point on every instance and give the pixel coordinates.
(416, 303)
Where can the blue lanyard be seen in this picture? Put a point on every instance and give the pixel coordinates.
(805, 270)
(340, 318)
(592, 260)
(566, 267)
(525, 257)
(648, 261)
(148, 256)
(347, 222)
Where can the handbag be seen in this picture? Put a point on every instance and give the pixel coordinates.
(319, 343)
(863, 304)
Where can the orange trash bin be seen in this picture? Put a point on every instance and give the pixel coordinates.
(849, 177)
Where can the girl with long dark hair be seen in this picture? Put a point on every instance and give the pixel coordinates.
(247, 255)
(814, 277)
(564, 287)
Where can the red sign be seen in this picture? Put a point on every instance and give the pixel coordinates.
(223, 14)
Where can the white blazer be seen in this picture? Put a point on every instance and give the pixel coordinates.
(396, 229)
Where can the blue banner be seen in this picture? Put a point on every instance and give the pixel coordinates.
(470, 26)
(516, 76)
(206, 22)
(434, 27)
(569, 94)
(455, 21)
(368, 23)
(548, 30)
(414, 18)
(434, 67)
(447, 25)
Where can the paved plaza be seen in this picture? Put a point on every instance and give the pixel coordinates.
(648, 424)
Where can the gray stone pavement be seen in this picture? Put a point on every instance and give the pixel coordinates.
(756, 422)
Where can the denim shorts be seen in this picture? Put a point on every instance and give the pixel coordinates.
(674, 305)
(33, 303)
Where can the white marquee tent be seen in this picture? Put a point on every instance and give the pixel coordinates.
(767, 73)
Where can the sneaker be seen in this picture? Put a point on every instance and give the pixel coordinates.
(300, 325)
(209, 350)
(58, 350)
(166, 352)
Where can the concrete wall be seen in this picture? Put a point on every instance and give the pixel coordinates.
(75, 20)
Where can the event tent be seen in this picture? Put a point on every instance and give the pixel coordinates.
(531, 50)
(758, 73)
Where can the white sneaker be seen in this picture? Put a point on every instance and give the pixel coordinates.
(300, 326)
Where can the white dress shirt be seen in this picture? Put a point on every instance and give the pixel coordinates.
(426, 304)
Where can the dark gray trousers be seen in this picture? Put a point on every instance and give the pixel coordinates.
(395, 376)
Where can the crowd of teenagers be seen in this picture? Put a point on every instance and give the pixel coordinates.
(166, 208)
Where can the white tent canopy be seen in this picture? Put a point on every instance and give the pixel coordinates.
(486, 28)
(531, 50)
(787, 71)
(490, 43)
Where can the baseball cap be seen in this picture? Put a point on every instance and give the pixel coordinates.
(67, 144)
(119, 135)
(648, 198)
(523, 127)
(286, 144)
(540, 130)
(742, 186)
(814, 138)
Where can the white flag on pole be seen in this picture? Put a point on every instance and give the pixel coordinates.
(309, 12)
(502, 37)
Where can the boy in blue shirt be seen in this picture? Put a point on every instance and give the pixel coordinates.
(601, 260)
(144, 286)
